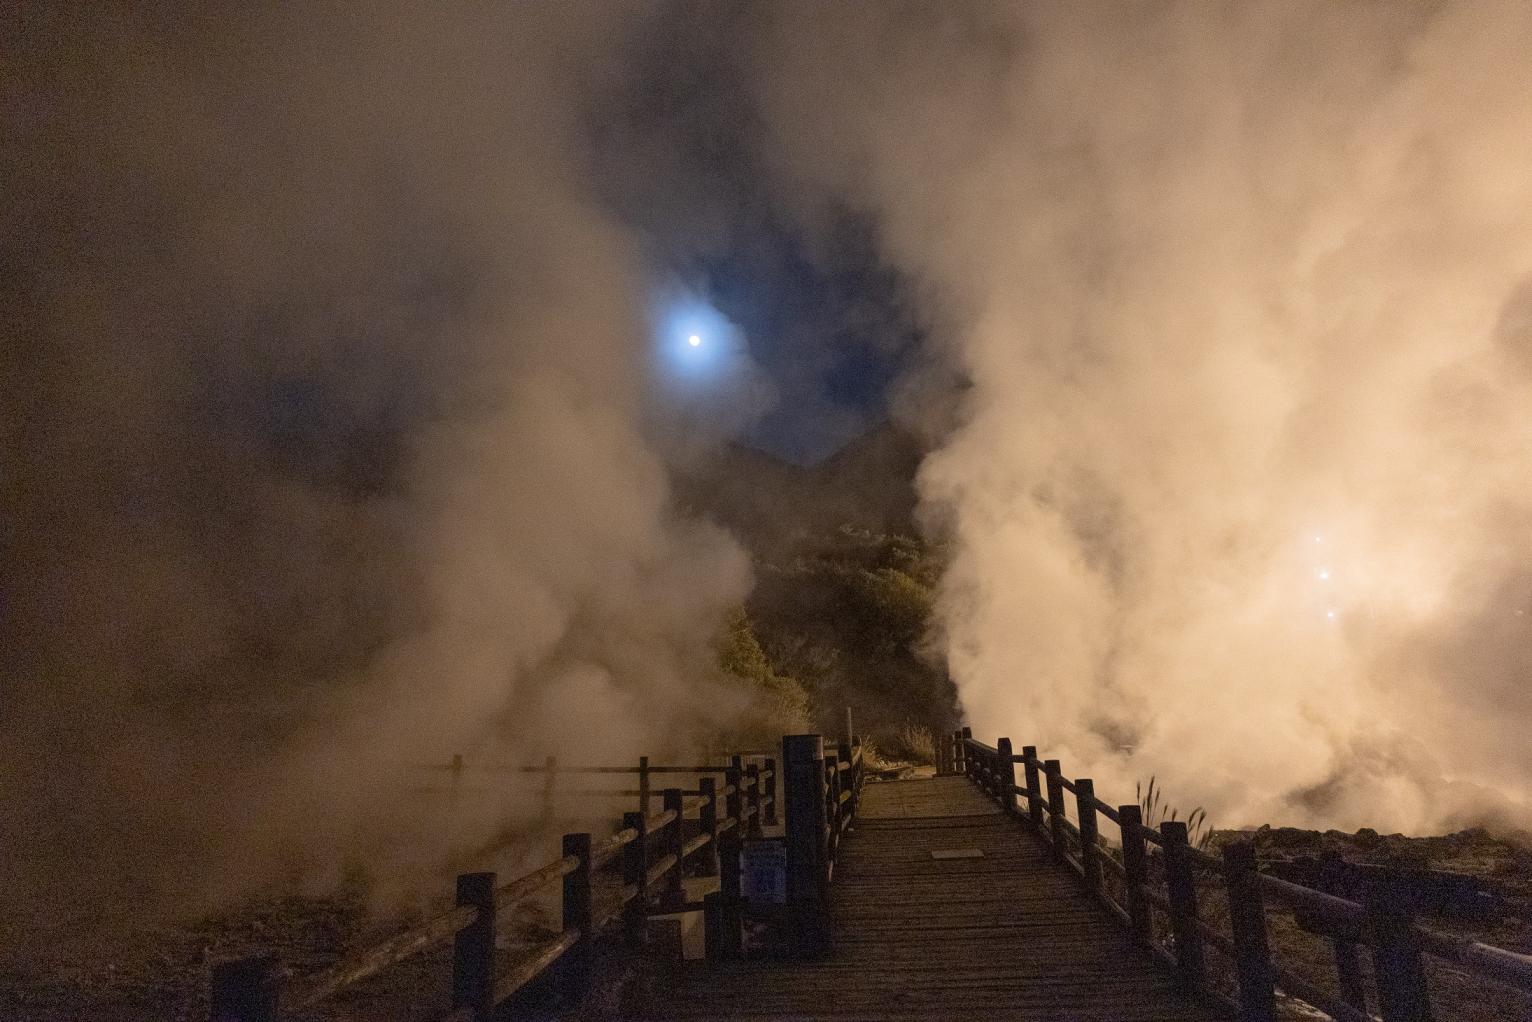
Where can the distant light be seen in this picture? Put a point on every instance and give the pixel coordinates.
(694, 340)
(1324, 574)
(1330, 614)
(1319, 539)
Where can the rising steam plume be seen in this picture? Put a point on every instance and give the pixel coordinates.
(327, 439)
(1239, 488)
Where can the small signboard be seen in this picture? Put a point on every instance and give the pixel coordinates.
(763, 871)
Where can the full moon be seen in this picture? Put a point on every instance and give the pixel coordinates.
(694, 340)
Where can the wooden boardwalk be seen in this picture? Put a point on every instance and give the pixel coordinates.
(1002, 935)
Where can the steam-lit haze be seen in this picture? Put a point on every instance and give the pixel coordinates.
(347, 354)
(1244, 294)
(328, 442)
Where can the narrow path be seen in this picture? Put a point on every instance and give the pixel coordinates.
(994, 932)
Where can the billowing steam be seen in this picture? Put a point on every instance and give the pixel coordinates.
(1241, 490)
(324, 418)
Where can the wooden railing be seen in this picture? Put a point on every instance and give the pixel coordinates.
(651, 852)
(1155, 875)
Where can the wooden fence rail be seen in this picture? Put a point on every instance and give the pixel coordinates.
(652, 851)
(1384, 923)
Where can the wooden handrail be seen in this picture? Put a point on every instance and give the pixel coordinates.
(1397, 933)
(370, 961)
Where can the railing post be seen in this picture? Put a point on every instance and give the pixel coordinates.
(807, 837)
(709, 814)
(1247, 923)
(958, 753)
(1056, 809)
(848, 779)
(1183, 906)
(832, 811)
(579, 914)
(635, 873)
(643, 785)
(247, 990)
(1090, 848)
(1402, 995)
(1135, 865)
(858, 762)
(753, 787)
(729, 842)
(771, 792)
(1348, 974)
(968, 758)
(1007, 761)
(550, 781)
(674, 844)
(473, 948)
(1034, 792)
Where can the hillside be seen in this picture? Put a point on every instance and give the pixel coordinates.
(844, 582)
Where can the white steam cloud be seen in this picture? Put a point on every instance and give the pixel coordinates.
(1239, 493)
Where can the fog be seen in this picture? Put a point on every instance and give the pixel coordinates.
(1237, 486)
(331, 445)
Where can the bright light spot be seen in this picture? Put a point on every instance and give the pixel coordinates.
(1330, 614)
(1319, 539)
(1324, 574)
(694, 340)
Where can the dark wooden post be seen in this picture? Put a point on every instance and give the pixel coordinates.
(729, 842)
(643, 785)
(1183, 906)
(247, 990)
(1135, 865)
(1348, 974)
(1090, 847)
(473, 949)
(771, 792)
(832, 810)
(550, 781)
(807, 837)
(709, 823)
(1034, 792)
(968, 758)
(1402, 994)
(635, 873)
(1007, 760)
(958, 753)
(753, 786)
(674, 844)
(579, 914)
(848, 778)
(1247, 922)
(1056, 808)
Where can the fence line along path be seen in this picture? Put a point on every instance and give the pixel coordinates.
(941, 910)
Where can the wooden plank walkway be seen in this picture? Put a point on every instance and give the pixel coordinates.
(1003, 936)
